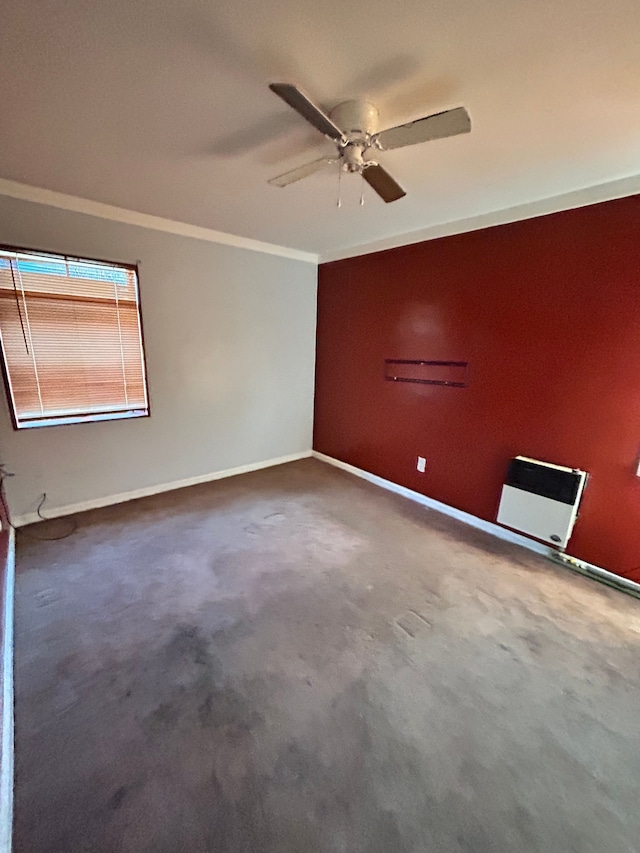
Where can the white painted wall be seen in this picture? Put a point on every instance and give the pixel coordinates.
(230, 344)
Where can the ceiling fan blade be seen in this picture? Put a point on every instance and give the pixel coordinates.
(437, 126)
(303, 105)
(381, 181)
(301, 172)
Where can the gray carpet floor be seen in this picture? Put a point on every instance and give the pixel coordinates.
(295, 661)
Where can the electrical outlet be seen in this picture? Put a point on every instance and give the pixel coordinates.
(422, 464)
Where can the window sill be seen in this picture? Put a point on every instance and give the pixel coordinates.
(84, 419)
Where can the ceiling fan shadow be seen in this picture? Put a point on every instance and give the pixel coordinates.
(211, 38)
(254, 136)
(422, 95)
(298, 145)
(375, 81)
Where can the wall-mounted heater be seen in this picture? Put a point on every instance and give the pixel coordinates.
(541, 499)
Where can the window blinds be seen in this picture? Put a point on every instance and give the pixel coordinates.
(71, 339)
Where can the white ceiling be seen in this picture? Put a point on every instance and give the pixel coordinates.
(163, 107)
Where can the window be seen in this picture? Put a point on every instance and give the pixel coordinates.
(71, 339)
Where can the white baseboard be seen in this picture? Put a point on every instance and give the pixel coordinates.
(596, 573)
(109, 500)
(581, 566)
(6, 756)
(438, 506)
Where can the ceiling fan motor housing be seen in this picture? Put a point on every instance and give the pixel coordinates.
(358, 120)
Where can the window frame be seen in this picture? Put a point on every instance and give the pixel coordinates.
(95, 417)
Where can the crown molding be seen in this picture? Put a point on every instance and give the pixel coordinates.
(39, 195)
(567, 201)
(541, 207)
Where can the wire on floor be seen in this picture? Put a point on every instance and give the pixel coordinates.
(73, 524)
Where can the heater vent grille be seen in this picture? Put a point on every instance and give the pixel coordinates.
(541, 499)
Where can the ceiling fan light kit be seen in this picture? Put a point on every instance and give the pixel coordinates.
(353, 127)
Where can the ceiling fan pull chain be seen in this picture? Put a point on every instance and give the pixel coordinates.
(339, 184)
(361, 189)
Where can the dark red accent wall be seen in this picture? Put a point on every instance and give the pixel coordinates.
(547, 313)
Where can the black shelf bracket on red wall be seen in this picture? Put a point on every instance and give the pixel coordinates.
(451, 373)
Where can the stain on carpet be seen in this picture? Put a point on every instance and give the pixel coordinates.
(293, 660)
(412, 623)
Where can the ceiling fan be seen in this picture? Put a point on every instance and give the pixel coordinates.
(353, 127)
